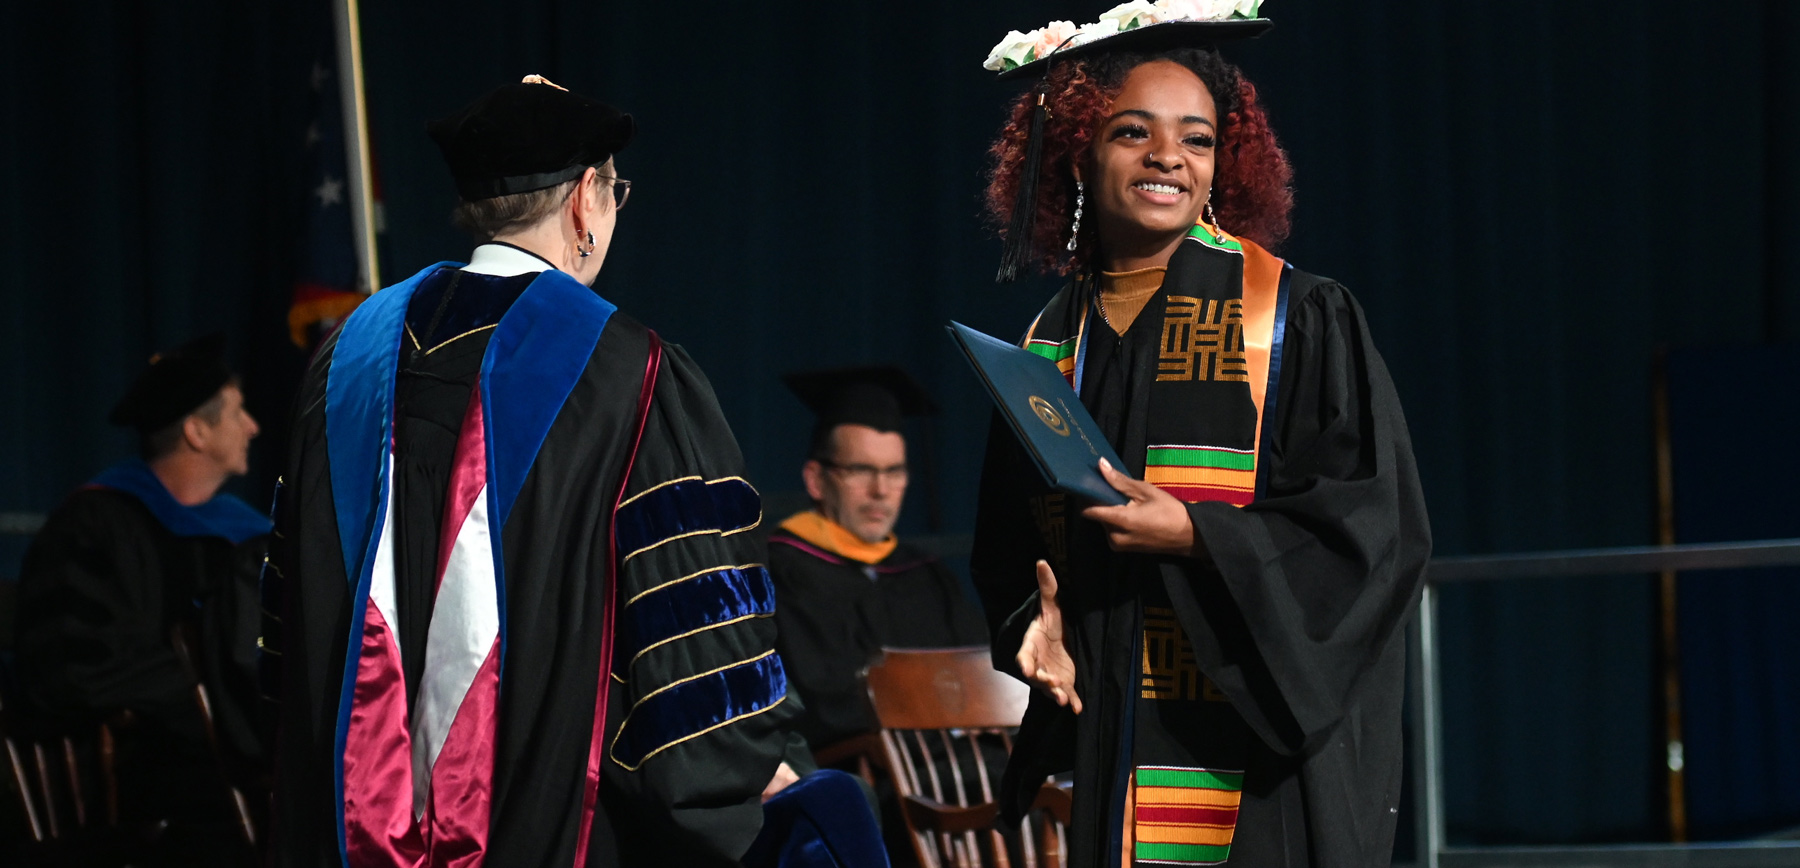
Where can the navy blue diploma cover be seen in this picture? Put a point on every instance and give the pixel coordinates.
(1045, 413)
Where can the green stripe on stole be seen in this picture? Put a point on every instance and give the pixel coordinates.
(1053, 352)
(1197, 778)
(1200, 456)
(1196, 853)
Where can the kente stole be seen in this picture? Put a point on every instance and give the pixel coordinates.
(1223, 305)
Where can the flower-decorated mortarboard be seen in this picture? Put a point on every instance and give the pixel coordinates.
(527, 136)
(175, 384)
(1134, 26)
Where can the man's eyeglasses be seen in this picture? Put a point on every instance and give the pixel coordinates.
(621, 189)
(864, 474)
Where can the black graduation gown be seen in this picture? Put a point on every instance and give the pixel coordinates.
(1294, 612)
(836, 614)
(101, 587)
(679, 787)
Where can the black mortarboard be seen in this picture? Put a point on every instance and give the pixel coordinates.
(879, 396)
(527, 136)
(1146, 38)
(176, 384)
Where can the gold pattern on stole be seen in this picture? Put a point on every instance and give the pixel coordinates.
(1203, 340)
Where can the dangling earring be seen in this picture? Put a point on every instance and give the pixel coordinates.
(1075, 230)
(1212, 220)
(585, 251)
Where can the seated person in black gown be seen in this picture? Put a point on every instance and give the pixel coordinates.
(847, 587)
(145, 547)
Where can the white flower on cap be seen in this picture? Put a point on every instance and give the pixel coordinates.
(1098, 30)
(1126, 16)
(1013, 51)
(1018, 49)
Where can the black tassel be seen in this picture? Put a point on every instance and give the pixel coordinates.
(1016, 254)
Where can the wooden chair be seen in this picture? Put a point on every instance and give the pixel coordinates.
(49, 777)
(950, 698)
(181, 638)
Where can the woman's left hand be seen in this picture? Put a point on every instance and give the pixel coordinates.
(1153, 522)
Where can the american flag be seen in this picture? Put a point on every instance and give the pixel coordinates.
(327, 286)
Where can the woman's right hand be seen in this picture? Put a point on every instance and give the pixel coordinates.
(1043, 657)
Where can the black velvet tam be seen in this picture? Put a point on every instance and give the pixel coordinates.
(879, 396)
(176, 384)
(527, 136)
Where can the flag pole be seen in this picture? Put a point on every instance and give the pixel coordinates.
(356, 142)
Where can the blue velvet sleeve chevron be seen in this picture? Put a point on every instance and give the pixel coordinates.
(678, 609)
(686, 507)
(686, 521)
(696, 706)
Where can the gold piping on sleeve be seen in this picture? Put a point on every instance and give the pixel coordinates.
(611, 749)
(694, 632)
(722, 532)
(723, 723)
(628, 501)
(642, 594)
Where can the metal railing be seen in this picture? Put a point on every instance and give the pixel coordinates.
(1433, 850)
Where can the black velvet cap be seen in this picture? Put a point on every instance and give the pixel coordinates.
(879, 396)
(527, 136)
(176, 384)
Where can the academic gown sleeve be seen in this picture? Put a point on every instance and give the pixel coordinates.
(1010, 537)
(91, 606)
(1296, 606)
(700, 696)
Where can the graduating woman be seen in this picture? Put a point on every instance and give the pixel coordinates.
(1221, 657)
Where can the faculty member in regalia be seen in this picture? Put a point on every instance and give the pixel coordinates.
(848, 586)
(1222, 656)
(148, 548)
(525, 517)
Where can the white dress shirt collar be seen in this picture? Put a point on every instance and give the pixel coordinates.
(505, 260)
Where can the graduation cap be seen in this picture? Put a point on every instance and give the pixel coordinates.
(527, 136)
(1130, 27)
(879, 396)
(176, 384)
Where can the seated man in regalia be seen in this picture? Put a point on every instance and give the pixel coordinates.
(848, 586)
(148, 549)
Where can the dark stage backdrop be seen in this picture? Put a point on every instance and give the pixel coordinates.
(1528, 197)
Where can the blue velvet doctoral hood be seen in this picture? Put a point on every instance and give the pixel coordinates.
(224, 516)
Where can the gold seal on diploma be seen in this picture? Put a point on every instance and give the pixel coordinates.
(1048, 415)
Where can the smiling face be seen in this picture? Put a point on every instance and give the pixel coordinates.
(1151, 167)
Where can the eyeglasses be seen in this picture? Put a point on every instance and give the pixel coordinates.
(864, 474)
(621, 189)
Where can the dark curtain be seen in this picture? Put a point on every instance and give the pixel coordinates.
(1527, 197)
(1735, 472)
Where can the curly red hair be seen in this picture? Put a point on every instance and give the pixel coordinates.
(1252, 181)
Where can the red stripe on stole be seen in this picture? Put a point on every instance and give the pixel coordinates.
(1187, 815)
(590, 797)
(462, 778)
(468, 476)
(1201, 493)
(378, 820)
